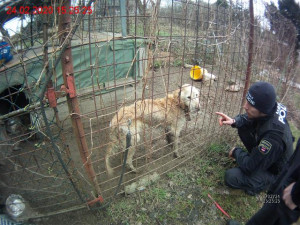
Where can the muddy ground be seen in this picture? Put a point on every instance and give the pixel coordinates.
(179, 195)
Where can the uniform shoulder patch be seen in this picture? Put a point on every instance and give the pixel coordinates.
(264, 147)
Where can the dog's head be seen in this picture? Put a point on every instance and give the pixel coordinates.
(188, 96)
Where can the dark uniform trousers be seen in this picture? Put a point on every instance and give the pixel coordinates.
(259, 180)
(254, 183)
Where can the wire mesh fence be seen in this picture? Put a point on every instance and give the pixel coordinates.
(61, 112)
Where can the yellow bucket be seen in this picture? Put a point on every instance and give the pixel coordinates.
(196, 73)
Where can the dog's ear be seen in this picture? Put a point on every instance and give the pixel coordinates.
(177, 98)
(177, 93)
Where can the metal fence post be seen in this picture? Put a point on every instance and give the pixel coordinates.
(73, 104)
(250, 53)
(123, 17)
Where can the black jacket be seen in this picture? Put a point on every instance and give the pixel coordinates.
(272, 142)
(296, 176)
(290, 174)
(296, 191)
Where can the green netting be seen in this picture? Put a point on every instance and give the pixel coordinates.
(111, 60)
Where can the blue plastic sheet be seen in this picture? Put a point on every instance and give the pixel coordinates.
(5, 55)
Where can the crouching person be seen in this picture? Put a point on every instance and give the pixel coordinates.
(267, 137)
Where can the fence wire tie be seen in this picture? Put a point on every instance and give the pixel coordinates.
(31, 127)
(129, 124)
(26, 107)
(38, 145)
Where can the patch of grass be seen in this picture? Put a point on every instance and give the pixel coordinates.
(213, 165)
(297, 100)
(173, 214)
(295, 132)
(158, 64)
(182, 198)
(163, 33)
(218, 147)
(142, 217)
(206, 176)
(177, 62)
(121, 207)
(178, 177)
(161, 217)
(154, 194)
(159, 193)
(183, 205)
(239, 205)
(210, 178)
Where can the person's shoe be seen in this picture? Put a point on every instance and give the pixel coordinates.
(232, 222)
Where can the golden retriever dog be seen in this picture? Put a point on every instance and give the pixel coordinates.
(170, 112)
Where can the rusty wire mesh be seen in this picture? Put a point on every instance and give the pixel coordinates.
(119, 58)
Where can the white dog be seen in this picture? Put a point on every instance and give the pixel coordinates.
(208, 78)
(170, 112)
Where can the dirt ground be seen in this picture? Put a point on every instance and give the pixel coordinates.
(36, 160)
(193, 206)
(179, 196)
(197, 132)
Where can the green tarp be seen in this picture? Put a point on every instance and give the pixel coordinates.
(93, 64)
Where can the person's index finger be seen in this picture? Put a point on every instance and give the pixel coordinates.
(220, 114)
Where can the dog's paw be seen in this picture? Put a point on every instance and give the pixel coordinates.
(132, 168)
(176, 155)
(110, 173)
